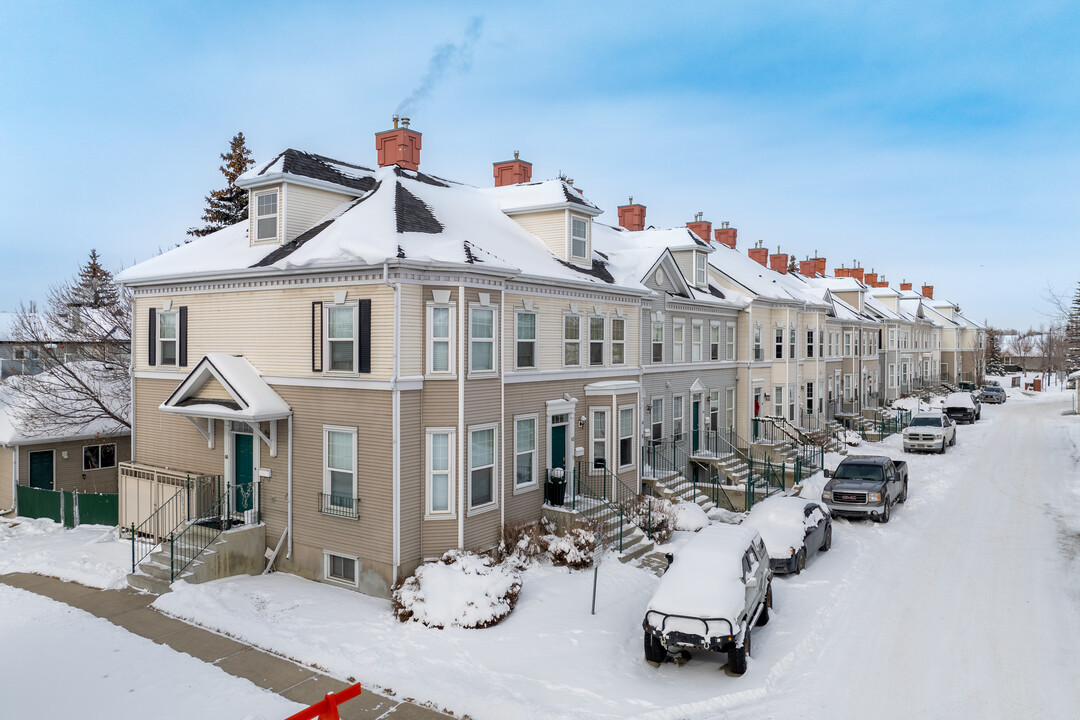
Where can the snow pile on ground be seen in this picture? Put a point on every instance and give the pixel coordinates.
(66, 663)
(655, 515)
(462, 589)
(92, 555)
(690, 516)
(781, 521)
(850, 437)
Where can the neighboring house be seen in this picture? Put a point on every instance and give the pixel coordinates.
(15, 357)
(82, 457)
(70, 344)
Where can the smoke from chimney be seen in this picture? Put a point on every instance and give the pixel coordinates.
(446, 57)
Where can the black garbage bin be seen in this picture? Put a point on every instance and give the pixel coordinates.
(556, 491)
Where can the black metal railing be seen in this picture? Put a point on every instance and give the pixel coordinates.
(344, 506)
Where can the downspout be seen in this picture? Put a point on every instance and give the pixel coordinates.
(14, 481)
(289, 492)
(500, 358)
(461, 417)
(396, 443)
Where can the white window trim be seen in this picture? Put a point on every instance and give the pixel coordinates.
(778, 344)
(678, 400)
(653, 343)
(326, 485)
(355, 583)
(535, 341)
(678, 340)
(615, 342)
(355, 306)
(652, 423)
(494, 340)
(593, 439)
(527, 487)
(99, 446)
(714, 328)
(701, 277)
(486, 507)
(451, 490)
(174, 340)
(697, 344)
(729, 411)
(619, 437)
(731, 342)
(276, 215)
(602, 341)
(570, 236)
(581, 329)
(778, 401)
(451, 327)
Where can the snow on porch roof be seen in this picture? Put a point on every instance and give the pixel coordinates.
(250, 399)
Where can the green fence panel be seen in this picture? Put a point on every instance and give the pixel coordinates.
(68, 507)
(39, 503)
(98, 509)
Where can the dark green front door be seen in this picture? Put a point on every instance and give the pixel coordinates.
(41, 470)
(558, 446)
(696, 420)
(243, 463)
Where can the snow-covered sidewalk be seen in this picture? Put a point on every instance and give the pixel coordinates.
(89, 554)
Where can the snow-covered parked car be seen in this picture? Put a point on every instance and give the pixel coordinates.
(792, 528)
(930, 431)
(715, 591)
(962, 406)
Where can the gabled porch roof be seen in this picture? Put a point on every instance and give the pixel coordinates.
(245, 398)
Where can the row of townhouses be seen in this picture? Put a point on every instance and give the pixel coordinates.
(400, 362)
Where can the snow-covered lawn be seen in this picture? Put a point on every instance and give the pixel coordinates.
(89, 554)
(60, 662)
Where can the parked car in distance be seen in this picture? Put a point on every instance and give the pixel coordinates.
(715, 591)
(793, 528)
(962, 406)
(992, 394)
(930, 431)
(866, 486)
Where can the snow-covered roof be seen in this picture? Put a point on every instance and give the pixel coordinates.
(543, 195)
(105, 382)
(249, 399)
(763, 282)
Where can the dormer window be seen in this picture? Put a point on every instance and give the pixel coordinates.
(699, 270)
(579, 238)
(266, 216)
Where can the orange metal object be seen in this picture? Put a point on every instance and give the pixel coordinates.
(326, 709)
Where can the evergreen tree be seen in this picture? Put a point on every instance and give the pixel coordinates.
(94, 286)
(1072, 335)
(229, 206)
(994, 360)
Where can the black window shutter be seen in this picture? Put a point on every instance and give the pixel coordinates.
(365, 336)
(151, 348)
(316, 336)
(181, 353)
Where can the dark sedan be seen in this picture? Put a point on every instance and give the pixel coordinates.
(793, 528)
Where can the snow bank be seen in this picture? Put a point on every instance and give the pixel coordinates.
(462, 589)
(92, 555)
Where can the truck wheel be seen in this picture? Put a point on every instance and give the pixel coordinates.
(763, 618)
(800, 562)
(953, 441)
(903, 494)
(887, 512)
(654, 650)
(736, 662)
(942, 450)
(827, 543)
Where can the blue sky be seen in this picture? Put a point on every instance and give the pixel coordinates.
(933, 142)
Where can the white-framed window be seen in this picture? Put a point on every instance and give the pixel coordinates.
(714, 409)
(599, 430)
(626, 436)
(167, 337)
(482, 324)
(857, 334)
(810, 342)
(524, 450)
(596, 341)
(695, 341)
(678, 341)
(342, 349)
(525, 340)
(340, 568)
(810, 398)
(440, 340)
(779, 354)
(618, 341)
(731, 341)
(677, 412)
(778, 401)
(791, 402)
(658, 342)
(483, 470)
(730, 406)
(96, 457)
(792, 355)
(440, 471)
(847, 387)
(339, 471)
(714, 341)
(579, 238)
(656, 419)
(266, 215)
(847, 343)
(821, 342)
(830, 343)
(571, 340)
(700, 278)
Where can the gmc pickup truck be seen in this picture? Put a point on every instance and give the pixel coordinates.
(866, 487)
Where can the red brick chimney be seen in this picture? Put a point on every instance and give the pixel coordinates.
(808, 268)
(870, 279)
(842, 272)
(632, 215)
(400, 146)
(857, 273)
(759, 254)
(779, 262)
(928, 291)
(701, 228)
(512, 172)
(726, 235)
(905, 286)
(820, 266)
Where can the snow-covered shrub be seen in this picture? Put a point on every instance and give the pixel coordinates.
(521, 544)
(850, 437)
(573, 549)
(461, 589)
(661, 521)
(690, 516)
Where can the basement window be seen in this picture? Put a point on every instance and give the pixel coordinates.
(340, 568)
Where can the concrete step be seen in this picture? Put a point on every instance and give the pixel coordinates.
(149, 584)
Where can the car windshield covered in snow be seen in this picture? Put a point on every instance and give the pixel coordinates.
(927, 421)
(861, 471)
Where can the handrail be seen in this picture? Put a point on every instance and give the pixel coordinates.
(146, 537)
(199, 534)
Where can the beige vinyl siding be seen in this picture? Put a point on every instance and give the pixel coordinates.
(439, 536)
(68, 472)
(411, 344)
(551, 227)
(6, 491)
(413, 482)
(306, 207)
(212, 390)
(271, 328)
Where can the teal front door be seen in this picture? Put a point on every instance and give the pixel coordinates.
(243, 464)
(696, 420)
(558, 446)
(41, 469)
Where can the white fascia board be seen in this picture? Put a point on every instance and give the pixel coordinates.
(280, 177)
(565, 205)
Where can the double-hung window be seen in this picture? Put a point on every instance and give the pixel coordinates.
(730, 341)
(341, 334)
(440, 339)
(618, 341)
(778, 401)
(440, 471)
(482, 339)
(96, 457)
(658, 342)
(714, 341)
(571, 340)
(599, 438)
(729, 407)
(524, 451)
(791, 344)
(656, 419)
(678, 341)
(339, 471)
(266, 216)
(525, 332)
(847, 343)
(757, 343)
(483, 473)
(676, 418)
(596, 341)
(779, 343)
(714, 409)
(579, 238)
(821, 342)
(695, 341)
(700, 278)
(167, 338)
(626, 437)
(810, 343)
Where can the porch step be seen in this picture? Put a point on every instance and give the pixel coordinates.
(147, 583)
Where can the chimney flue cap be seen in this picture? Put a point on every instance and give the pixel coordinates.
(396, 118)
(517, 155)
(405, 122)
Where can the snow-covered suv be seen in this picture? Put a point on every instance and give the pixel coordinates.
(712, 595)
